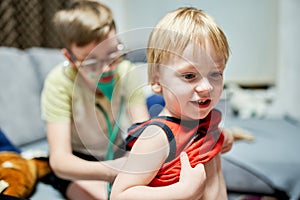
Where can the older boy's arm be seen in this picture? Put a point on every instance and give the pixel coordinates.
(68, 166)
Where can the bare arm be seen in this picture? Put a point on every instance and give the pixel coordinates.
(68, 166)
(145, 159)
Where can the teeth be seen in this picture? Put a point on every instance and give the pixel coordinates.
(202, 101)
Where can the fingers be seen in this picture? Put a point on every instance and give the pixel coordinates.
(227, 148)
(185, 163)
(200, 167)
(241, 134)
(192, 179)
(228, 140)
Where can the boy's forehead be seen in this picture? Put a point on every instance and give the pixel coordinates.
(196, 54)
(106, 47)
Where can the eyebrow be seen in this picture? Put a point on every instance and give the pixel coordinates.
(192, 66)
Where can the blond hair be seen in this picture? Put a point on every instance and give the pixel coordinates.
(177, 29)
(83, 22)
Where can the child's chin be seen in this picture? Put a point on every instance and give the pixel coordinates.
(203, 114)
(197, 116)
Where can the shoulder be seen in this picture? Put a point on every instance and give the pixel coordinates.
(57, 70)
(151, 139)
(60, 77)
(133, 81)
(63, 70)
(125, 66)
(162, 124)
(58, 88)
(150, 130)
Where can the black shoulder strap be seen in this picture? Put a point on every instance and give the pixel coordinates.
(133, 136)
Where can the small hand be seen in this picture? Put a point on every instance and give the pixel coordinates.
(228, 140)
(193, 179)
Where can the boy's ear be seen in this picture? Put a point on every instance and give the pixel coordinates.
(66, 53)
(156, 87)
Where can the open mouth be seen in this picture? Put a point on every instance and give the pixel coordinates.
(203, 103)
(106, 79)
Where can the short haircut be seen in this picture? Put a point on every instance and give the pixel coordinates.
(176, 30)
(83, 22)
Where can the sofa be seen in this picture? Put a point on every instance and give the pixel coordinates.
(22, 73)
(268, 166)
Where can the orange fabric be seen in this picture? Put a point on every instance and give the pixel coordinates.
(201, 140)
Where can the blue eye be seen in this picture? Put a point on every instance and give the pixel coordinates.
(216, 75)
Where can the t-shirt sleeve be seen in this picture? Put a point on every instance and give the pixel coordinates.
(56, 98)
(134, 82)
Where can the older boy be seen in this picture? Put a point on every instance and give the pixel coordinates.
(85, 103)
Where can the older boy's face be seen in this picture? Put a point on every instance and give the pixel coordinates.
(192, 84)
(96, 58)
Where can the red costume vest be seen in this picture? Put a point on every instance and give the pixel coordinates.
(200, 139)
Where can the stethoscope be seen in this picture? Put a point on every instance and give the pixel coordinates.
(112, 135)
(112, 130)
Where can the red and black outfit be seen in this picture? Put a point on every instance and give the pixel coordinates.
(201, 139)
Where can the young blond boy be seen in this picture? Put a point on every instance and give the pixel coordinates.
(187, 53)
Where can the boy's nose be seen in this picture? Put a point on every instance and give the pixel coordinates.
(203, 86)
(106, 68)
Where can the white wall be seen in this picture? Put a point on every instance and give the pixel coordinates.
(287, 101)
(250, 25)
